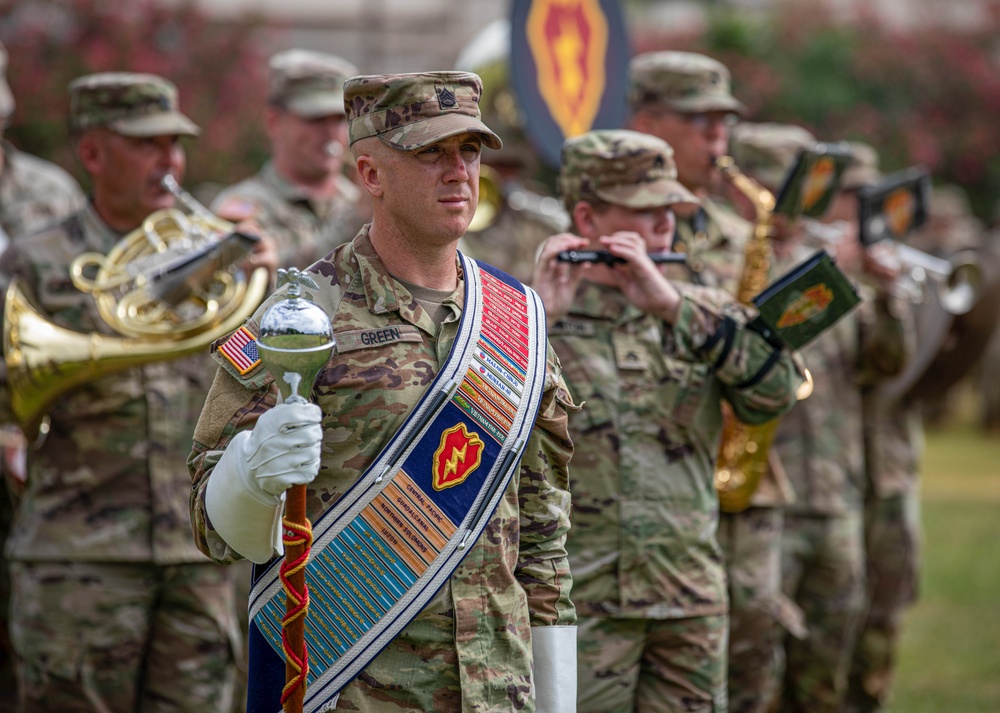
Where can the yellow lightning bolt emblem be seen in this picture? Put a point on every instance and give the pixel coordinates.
(568, 51)
(457, 456)
(569, 40)
(464, 453)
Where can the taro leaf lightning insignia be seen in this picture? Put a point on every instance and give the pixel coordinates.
(458, 454)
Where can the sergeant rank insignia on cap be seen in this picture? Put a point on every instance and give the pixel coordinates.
(446, 98)
(240, 350)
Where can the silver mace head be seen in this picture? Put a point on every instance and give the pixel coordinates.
(296, 338)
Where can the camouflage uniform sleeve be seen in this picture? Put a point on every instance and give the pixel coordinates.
(886, 337)
(544, 499)
(233, 405)
(758, 380)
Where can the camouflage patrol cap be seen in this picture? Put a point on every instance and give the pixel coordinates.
(410, 111)
(309, 84)
(620, 167)
(6, 96)
(683, 81)
(862, 169)
(766, 151)
(128, 104)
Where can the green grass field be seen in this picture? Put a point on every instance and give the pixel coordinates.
(950, 653)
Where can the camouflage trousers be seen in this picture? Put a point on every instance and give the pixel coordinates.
(241, 573)
(8, 680)
(652, 666)
(823, 573)
(123, 637)
(892, 541)
(751, 543)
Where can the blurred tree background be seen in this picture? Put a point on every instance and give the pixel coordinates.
(925, 94)
(218, 67)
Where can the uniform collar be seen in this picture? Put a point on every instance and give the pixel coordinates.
(99, 236)
(384, 294)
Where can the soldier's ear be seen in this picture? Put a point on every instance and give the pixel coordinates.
(368, 173)
(583, 219)
(89, 149)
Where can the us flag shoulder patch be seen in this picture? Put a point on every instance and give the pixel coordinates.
(241, 351)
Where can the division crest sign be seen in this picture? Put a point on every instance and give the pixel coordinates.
(569, 68)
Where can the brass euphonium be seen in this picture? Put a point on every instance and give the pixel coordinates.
(743, 449)
(170, 288)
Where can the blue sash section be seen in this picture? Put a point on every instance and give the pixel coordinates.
(394, 538)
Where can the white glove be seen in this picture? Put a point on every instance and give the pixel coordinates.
(246, 490)
(553, 671)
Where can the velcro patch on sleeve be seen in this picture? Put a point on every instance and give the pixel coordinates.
(240, 350)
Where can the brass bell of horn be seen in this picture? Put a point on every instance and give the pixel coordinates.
(170, 288)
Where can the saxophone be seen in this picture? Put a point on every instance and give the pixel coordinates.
(743, 449)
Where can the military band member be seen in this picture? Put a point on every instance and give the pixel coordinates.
(893, 442)
(397, 295)
(113, 607)
(821, 446)
(685, 99)
(650, 361)
(301, 197)
(760, 614)
(33, 193)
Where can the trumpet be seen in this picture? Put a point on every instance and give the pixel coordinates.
(958, 279)
(170, 288)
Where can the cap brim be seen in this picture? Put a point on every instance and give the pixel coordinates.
(710, 103)
(166, 124)
(653, 194)
(313, 106)
(419, 134)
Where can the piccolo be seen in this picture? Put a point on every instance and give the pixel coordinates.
(603, 256)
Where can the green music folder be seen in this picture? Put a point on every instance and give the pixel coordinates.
(803, 303)
(813, 181)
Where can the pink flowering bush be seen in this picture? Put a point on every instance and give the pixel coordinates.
(219, 69)
(929, 95)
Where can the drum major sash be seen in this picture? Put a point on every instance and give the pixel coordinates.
(391, 542)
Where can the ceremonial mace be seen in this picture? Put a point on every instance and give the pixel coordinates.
(295, 342)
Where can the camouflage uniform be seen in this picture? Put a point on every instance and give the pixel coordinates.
(470, 648)
(649, 581)
(33, 193)
(893, 442)
(113, 607)
(305, 227)
(821, 445)
(760, 615)
(715, 240)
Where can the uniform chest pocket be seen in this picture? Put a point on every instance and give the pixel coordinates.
(688, 381)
